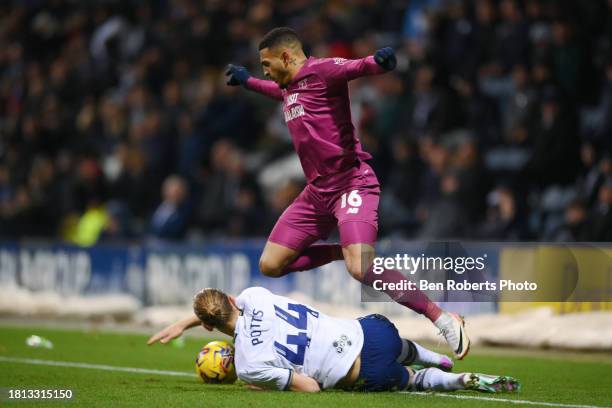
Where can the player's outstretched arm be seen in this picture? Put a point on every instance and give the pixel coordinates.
(237, 75)
(303, 383)
(174, 330)
(385, 58)
(382, 61)
(254, 387)
(240, 76)
(270, 377)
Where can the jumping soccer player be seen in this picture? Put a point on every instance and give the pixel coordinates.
(342, 188)
(281, 344)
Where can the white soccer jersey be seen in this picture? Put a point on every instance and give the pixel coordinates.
(276, 336)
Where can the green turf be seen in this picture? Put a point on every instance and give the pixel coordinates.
(551, 377)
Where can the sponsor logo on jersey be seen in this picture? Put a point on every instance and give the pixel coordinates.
(294, 112)
(291, 99)
(342, 343)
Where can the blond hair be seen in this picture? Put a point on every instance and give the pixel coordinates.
(212, 307)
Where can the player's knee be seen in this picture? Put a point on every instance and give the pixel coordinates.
(355, 270)
(358, 261)
(270, 267)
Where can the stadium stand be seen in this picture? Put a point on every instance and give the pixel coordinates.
(499, 117)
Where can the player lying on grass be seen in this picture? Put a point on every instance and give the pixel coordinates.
(282, 344)
(342, 189)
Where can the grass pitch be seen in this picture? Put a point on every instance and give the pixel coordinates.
(553, 378)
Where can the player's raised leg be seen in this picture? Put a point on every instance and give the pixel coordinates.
(381, 368)
(415, 354)
(314, 256)
(356, 210)
(359, 260)
(289, 247)
(433, 379)
(274, 258)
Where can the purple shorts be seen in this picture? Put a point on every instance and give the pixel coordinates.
(349, 201)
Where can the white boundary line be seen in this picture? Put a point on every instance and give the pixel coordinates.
(506, 400)
(94, 366)
(104, 367)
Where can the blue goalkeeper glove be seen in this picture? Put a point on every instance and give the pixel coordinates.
(238, 75)
(385, 57)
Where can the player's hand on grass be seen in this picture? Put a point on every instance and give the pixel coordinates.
(237, 75)
(164, 336)
(385, 57)
(253, 387)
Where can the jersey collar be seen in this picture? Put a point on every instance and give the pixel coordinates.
(302, 72)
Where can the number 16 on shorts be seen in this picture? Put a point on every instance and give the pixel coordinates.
(354, 201)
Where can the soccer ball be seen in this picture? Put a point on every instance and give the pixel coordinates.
(215, 363)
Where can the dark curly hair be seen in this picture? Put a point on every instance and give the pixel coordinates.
(278, 36)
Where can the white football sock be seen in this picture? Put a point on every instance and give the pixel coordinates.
(433, 379)
(414, 353)
(426, 356)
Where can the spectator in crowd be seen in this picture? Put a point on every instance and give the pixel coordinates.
(230, 195)
(556, 145)
(118, 227)
(602, 128)
(575, 226)
(447, 219)
(595, 170)
(90, 226)
(103, 103)
(600, 225)
(170, 220)
(503, 220)
(400, 196)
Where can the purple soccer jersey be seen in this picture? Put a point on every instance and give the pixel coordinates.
(318, 115)
(342, 190)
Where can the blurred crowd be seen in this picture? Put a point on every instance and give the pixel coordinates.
(116, 123)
